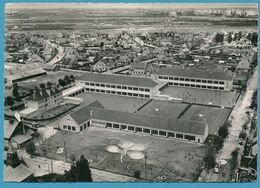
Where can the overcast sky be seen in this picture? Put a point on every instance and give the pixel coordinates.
(122, 6)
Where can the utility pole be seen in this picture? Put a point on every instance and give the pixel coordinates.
(145, 167)
(65, 151)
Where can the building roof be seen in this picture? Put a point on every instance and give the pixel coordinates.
(118, 79)
(243, 64)
(48, 67)
(21, 138)
(18, 174)
(39, 95)
(16, 71)
(150, 121)
(194, 73)
(9, 128)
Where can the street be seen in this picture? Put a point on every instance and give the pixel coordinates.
(238, 117)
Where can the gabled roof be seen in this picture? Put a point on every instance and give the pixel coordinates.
(118, 79)
(194, 73)
(43, 94)
(18, 174)
(9, 128)
(150, 121)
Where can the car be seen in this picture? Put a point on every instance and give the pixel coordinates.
(216, 169)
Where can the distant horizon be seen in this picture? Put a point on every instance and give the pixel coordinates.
(10, 6)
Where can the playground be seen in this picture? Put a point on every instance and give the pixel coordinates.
(145, 157)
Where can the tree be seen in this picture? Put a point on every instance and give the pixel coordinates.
(235, 37)
(223, 132)
(242, 135)
(30, 148)
(84, 173)
(234, 153)
(239, 36)
(15, 91)
(218, 142)
(9, 101)
(72, 78)
(229, 37)
(61, 82)
(137, 174)
(49, 84)
(219, 37)
(254, 38)
(67, 79)
(210, 160)
(42, 86)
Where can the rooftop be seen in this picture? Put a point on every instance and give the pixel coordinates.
(16, 71)
(144, 120)
(194, 73)
(118, 79)
(18, 174)
(39, 95)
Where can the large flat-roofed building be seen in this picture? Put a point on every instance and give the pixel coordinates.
(183, 130)
(195, 78)
(118, 85)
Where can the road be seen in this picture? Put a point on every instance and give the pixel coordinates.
(239, 118)
(42, 166)
(60, 54)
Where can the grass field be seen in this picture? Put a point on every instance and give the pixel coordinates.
(179, 161)
(202, 96)
(215, 117)
(165, 108)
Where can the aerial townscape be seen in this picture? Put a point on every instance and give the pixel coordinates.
(130, 92)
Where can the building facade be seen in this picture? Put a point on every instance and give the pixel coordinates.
(118, 85)
(195, 79)
(44, 99)
(182, 130)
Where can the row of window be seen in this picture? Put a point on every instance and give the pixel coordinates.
(150, 131)
(196, 86)
(192, 80)
(84, 126)
(68, 127)
(117, 86)
(118, 93)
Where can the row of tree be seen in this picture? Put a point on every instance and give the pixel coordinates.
(216, 144)
(252, 37)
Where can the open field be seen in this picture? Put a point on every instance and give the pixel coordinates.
(165, 108)
(115, 102)
(179, 160)
(215, 117)
(203, 96)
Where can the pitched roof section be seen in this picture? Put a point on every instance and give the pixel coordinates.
(144, 120)
(194, 73)
(18, 174)
(118, 79)
(43, 94)
(9, 128)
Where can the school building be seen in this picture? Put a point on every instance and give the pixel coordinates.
(182, 130)
(195, 78)
(117, 85)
